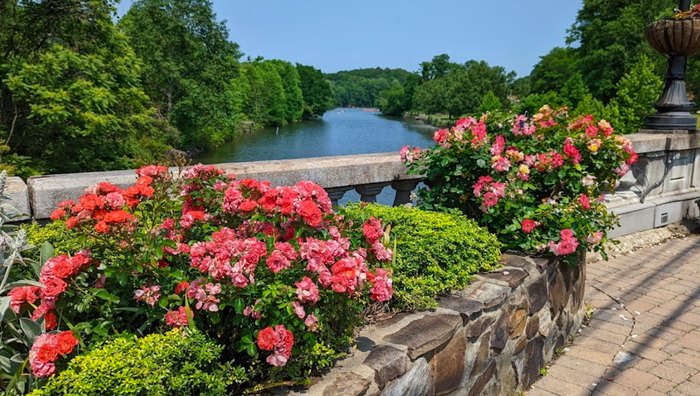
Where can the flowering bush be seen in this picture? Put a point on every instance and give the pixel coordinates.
(271, 273)
(693, 12)
(536, 182)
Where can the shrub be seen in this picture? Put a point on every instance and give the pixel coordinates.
(536, 182)
(434, 252)
(174, 363)
(272, 274)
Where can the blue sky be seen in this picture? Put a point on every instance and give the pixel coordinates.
(337, 35)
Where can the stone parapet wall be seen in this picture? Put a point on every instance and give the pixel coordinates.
(490, 339)
(663, 187)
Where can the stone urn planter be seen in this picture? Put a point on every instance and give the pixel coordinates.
(675, 36)
(677, 39)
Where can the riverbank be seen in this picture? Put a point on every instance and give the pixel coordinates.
(433, 120)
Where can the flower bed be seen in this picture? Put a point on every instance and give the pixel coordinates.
(272, 275)
(536, 182)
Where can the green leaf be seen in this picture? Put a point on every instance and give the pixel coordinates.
(46, 251)
(251, 350)
(5, 364)
(4, 305)
(31, 329)
(239, 306)
(107, 296)
(24, 282)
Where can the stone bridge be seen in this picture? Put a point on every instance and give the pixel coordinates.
(663, 187)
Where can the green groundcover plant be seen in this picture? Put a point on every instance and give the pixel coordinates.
(434, 252)
(174, 363)
(272, 275)
(536, 182)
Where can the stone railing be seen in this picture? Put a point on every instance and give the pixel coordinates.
(492, 338)
(367, 174)
(663, 187)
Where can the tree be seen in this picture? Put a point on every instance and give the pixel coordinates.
(461, 90)
(70, 90)
(361, 87)
(574, 90)
(189, 63)
(438, 67)
(490, 102)
(265, 101)
(610, 37)
(391, 101)
(553, 70)
(291, 82)
(315, 90)
(637, 91)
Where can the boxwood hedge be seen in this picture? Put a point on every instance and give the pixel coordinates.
(435, 252)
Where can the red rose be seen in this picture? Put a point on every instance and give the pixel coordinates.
(47, 352)
(50, 321)
(71, 222)
(266, 339)
(57, 214)
(372, 229)
(54, 287)
(182, 286)
(248, 205)
(101, 227)
(528, 225)
(62, 267)
(310, 212)
(66, 341)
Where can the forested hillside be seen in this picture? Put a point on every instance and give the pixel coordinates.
(81, 89)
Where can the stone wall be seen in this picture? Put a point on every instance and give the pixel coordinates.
(492, 338)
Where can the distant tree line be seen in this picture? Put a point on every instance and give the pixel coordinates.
(606, 69)
(361, 87)
(79, 92)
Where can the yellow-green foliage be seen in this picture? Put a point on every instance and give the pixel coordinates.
(55, 233)
(159, 364)
(435, 252)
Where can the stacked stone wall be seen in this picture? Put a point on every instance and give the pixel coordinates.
(490, 339)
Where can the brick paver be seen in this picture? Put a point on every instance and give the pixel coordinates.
(644, 334)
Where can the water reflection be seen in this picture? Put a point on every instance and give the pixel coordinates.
(339, 132)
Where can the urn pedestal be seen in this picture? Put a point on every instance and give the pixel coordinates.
(677, 39)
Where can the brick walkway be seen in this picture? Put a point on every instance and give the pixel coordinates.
(644, 335)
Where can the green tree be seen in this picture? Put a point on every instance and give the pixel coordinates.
(610, 38)
(265, 99)
(637, 91)
(291, 82)
(490, 102)
(391, 101)
(189, 63)
(361, 87)
(461, 90)
(316, 91)
(70, 90)
(574, 90)
(553, 70)
(590, 105)
(438, 67)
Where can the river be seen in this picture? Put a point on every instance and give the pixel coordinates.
(339, 132)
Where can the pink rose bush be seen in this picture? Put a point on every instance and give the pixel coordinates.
(536, 182)
(272, 273)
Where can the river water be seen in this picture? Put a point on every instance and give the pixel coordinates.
(339, 132)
